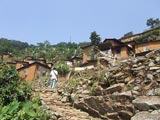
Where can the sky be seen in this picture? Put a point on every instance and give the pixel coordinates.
(35, 21)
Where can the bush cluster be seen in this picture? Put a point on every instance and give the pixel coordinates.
(151, 36)
(62, 68)
(29, 110)
(11, 86)
(15, 103)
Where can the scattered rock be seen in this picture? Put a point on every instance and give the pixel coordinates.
(145, 103)
(125, 115)
(114, 88)
(146, 116)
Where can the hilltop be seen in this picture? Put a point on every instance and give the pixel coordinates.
(20, 49)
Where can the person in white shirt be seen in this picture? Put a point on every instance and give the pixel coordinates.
(54, 77)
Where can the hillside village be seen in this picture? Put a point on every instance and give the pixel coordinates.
(109, 51)
(116, 80)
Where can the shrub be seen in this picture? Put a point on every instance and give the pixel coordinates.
(93, 88)
(29, 110)
(71, 85)
(151, 36)
(11, 87)
(14, 96)
(62, 68)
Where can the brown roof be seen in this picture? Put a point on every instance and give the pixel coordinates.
(112, 39)
(11, 62)
(44, 65)
(18, 61)
(106, 45)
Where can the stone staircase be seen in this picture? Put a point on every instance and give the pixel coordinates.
(59, 109)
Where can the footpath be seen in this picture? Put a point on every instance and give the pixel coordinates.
(59, 109)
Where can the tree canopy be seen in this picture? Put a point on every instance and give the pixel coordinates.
(152, 23)
(11, 46)
(95, 38)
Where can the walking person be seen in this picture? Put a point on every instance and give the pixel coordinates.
(54, 77)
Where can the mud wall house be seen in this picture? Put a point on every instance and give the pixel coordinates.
(20, 64)
(30, 59)
(33, 71)
(143, 42)
(130, 38)
(148, 41)
(87, 52)
(26, 58)
(113, 48)
(6, 57)
(147, 46)
(76, 61)
(42, 60)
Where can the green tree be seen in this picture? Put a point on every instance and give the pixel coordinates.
(95, 38)
(152, 23)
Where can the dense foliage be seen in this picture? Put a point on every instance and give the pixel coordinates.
(29, 110)
(62, 68)
(15, 103)
(58, 52)
(11, 46)
(152, 23)
(151, 36)
(10, 87)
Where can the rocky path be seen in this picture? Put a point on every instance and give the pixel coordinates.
(58, 109)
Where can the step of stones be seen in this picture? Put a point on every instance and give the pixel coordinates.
(52, 100)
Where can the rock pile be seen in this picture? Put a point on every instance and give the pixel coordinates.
(125, 91)
(57, 108)
(129, 90)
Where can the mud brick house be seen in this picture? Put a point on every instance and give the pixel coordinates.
(74, 61)
(20, 64)
(30, 59)
(111, 47)
(143, 42)
(135, 45)
(34, 70)
(87, 52)
(6, 57)
(30, 69)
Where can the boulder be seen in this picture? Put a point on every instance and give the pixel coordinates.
(113, 116)
(154, 92)
(125, 115)
(146, 116)
(138, 68)
(94, 105)
(118, 75)
(154, 68)
(145, 103)
(150, 76)
(124, 96)
(117, 106)
(114, 88)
